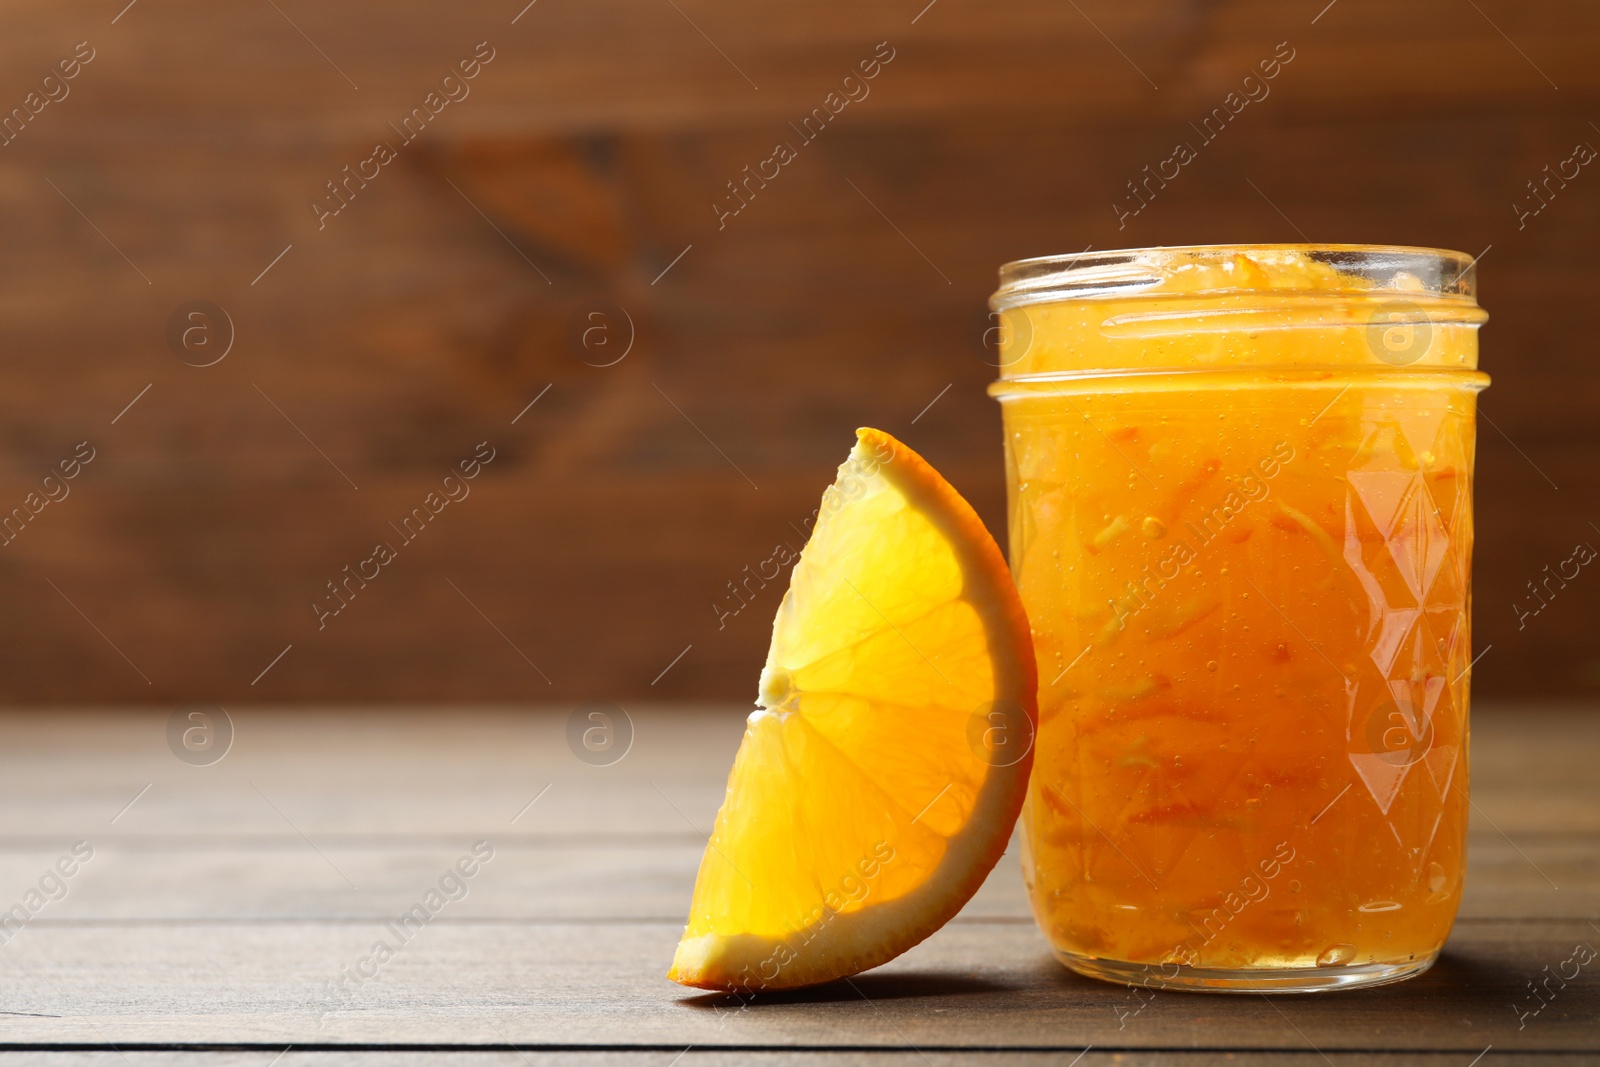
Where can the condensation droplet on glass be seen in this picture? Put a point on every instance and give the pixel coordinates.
(1211, 664)
(1153, 527)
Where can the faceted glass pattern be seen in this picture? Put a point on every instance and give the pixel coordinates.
(1250, 605)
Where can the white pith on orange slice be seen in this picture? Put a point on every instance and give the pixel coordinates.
(879, 781)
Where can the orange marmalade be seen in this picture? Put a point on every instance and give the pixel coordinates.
(1240, 485)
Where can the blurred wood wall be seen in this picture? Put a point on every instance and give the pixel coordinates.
(564, 208)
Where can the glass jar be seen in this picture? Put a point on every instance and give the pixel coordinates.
(1240, 485)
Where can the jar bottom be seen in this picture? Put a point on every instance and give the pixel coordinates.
(1252, 980)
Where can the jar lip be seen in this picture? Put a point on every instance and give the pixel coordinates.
(1127, 272)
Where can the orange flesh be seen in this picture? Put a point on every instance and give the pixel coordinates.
(1249, 599)
(867, 804)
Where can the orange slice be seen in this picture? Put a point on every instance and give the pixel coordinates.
(879, 782)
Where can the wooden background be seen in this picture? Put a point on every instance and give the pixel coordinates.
(455, 288)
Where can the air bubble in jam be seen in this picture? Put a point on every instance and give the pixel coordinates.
(1336, 956)
(1438, 881)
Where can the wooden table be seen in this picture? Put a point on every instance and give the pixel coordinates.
(222, 903)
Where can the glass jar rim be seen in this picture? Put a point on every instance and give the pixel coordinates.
(1127, 272)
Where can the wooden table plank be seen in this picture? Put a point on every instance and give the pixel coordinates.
(406, 771)
(218, 906)
(468, 771)
(262, 1056)
(977, 984)
(537, 878)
